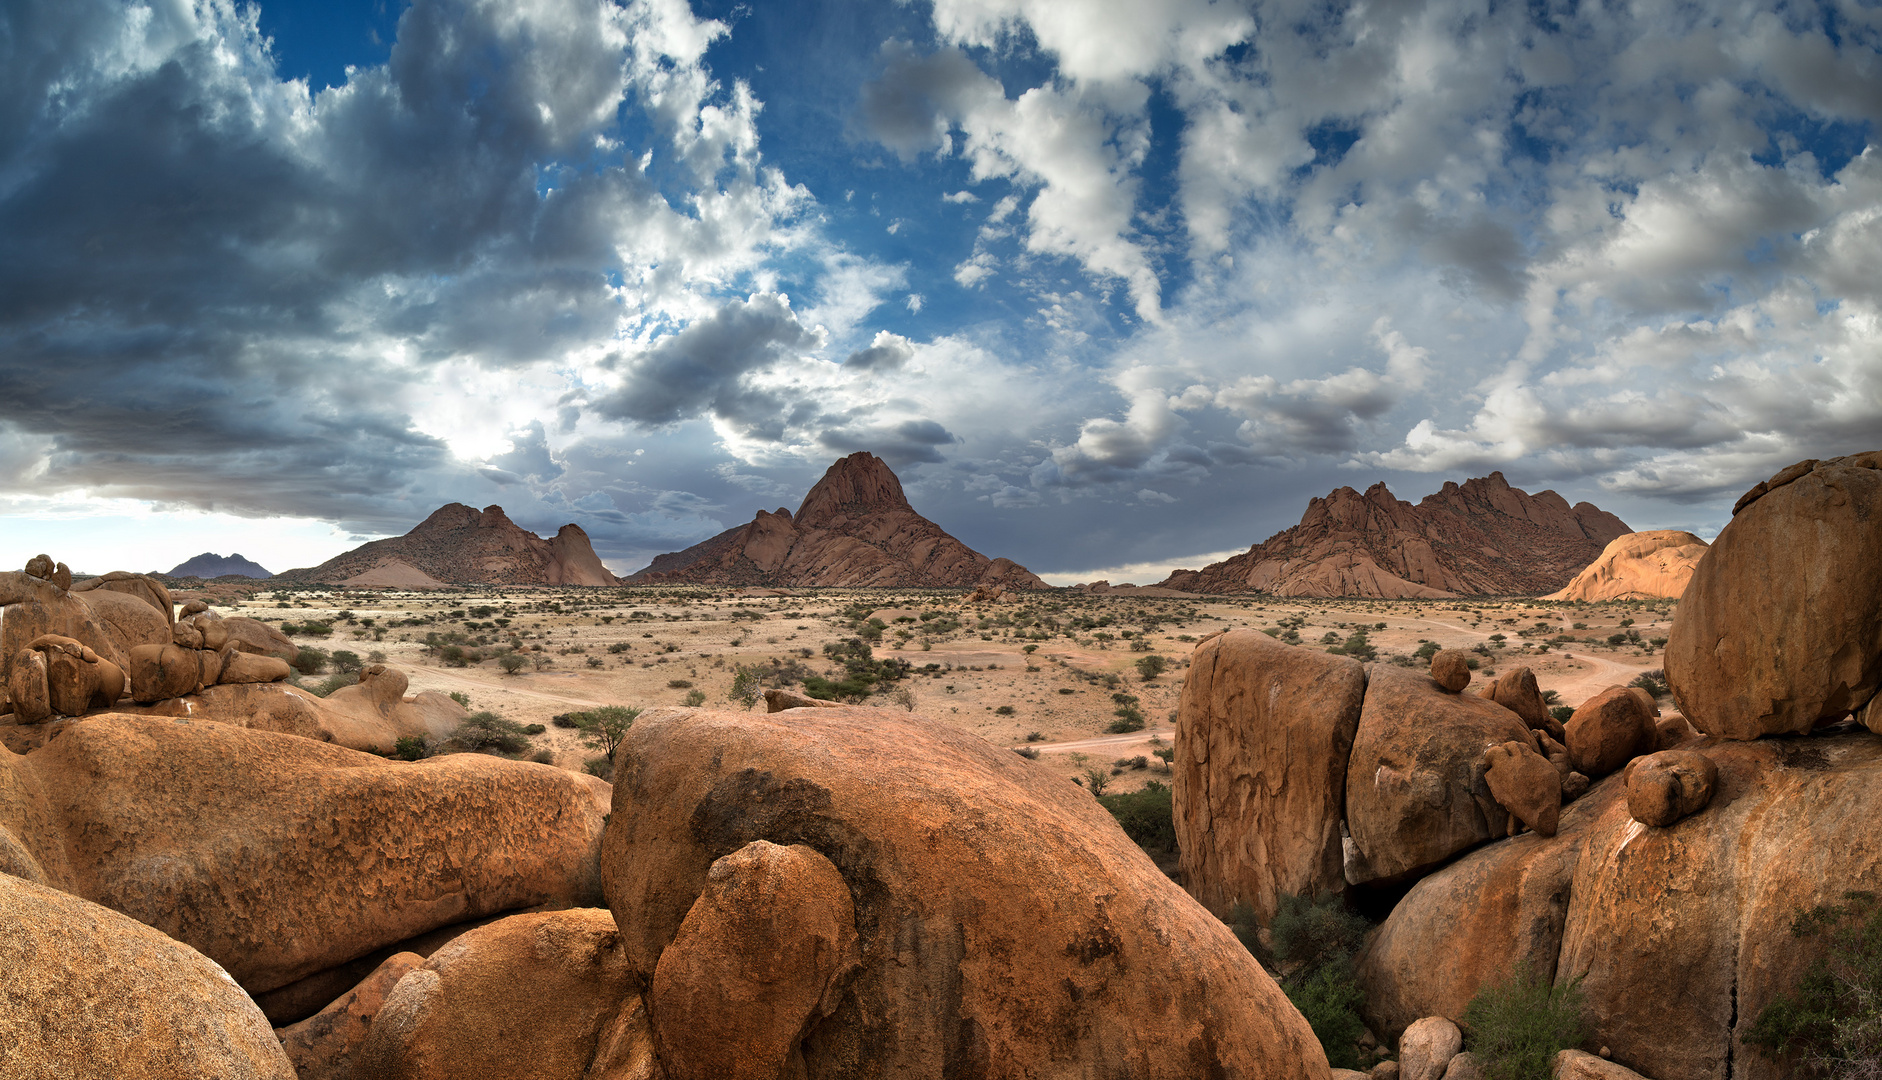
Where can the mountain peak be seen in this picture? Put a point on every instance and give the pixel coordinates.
(855, 486)
(461, 545)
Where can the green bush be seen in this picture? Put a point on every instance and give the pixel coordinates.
(695, 698)
(604, 728)
(1517, 1026)
(566, 720)
(534, 729)
(1563, 713)
(602, 766)
(331, 683)
(1146, 816)
(310, 661)
(511, 663)
(1314, 942)
(1004, 710)
(1129, 718)
(410, 748)
(1653, 682)
(346, 661)
(1149, 667)
(1832, 1025)
(488, 731)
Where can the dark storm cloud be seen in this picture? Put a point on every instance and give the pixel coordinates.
(900, 444)
(907, 108)
(704, 368)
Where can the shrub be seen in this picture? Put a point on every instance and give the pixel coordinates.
(1563, 713)
(1833, 1023)
(1149, 667)
(331, 683)
(461, 698)
(1004, 710)
(679, 684)
(346, 661)
(1129, 718)
(1035, 736)
(1097, 780)
(1030, 753)
(566, 720)
(310, 661)
(695, 698)
(511, 663)
(1314, 944)
(1653, 682)
(410, 748)
(747, 685)
(488, 731)
(534, 729)
(543, 757)
(1146, 816)
(1517, 1026)
(602, 766)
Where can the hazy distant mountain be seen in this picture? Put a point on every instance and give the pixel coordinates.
(1481, 537)
(855, 529)
(210, 565)
(458, 545)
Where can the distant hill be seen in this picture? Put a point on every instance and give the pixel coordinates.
(855, 529)
(458, 545)
(1481, 537)
(209, 565)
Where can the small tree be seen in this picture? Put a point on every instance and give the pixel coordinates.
(1097, 780)
(346, 661)
(511, 663)
(747, 685)
(604, 728)
(1149, 667)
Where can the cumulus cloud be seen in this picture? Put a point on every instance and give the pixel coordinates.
(904, 443)
(706, 367)
(886, 353)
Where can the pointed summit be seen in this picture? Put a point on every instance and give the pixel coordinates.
(855, 529)
(460, 545)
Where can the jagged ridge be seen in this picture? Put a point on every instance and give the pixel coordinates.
(210, 565)
(1481, 537)
(459, 545)
(855, 529)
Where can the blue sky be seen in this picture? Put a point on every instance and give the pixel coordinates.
(1114, 286)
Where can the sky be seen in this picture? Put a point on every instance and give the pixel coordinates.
(1114, 286)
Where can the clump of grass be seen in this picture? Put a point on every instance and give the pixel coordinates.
(1518, 1025)
(1832, 1024)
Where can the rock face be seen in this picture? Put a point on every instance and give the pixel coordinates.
(1642, 565)
(279, 857)
(462, 546)
(1415, 788)
(1782, 623)
(324, 1046)
(1263, 733)
(89, 992)
(459, 1015)
(1003, 921)
(1480, 537)
(1694, 918)
(855, 529)
(210, 565)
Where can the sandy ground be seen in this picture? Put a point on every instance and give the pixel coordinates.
(641, 647)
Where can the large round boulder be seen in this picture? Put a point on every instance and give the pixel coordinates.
(460, 1014)
(85, 991)
(1680, 936)
(1004, 923)
(1610, 729)
(1781, 625)
(1415, 788)
(1263, 733)
(279, 857)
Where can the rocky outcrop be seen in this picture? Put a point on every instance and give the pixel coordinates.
(1781, 626)
(1693, 918)
(855, 529)
(210, 565)
(458, 545)
(325, 1045)
(1004, 924)
(85, 991)
(1480, 537)
(1263, 733)
(279, 857)
(107, 621)
(460, 1015)
(1638, 566)
(1415, 788)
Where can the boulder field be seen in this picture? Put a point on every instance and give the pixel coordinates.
(1656, 862)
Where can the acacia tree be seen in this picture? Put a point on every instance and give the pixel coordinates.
(604, 728)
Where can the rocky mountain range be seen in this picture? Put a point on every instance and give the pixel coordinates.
(458, 545)
(855, 529)
(1481, 537)
(210, 565)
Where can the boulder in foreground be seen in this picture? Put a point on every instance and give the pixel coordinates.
(1005, 924)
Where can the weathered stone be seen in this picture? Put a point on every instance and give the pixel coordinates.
(1004, 920)
(89, 992)
(1450, 668)
(1669, 785)
(164, 671)
(1704, 908)
(1415, 788)
(1516, 691)
(1574, 786)
(1385, 1070)
(1609, 730)
(243, 667)
(1671, 730)
(29, 687)
(1581, 1065)
(279, 856)
(766, 951)
(1782, 623)
(1524, 783)
(780, 700)
(126, 620)
(1427, 1047)
(1465, 1066)
(254, 636)
(137, 586)
(1656, 563)
(323, 1046)
(458, 1015)
(35, 607)
(1263, 735)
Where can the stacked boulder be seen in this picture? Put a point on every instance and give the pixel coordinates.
(1675, 878)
